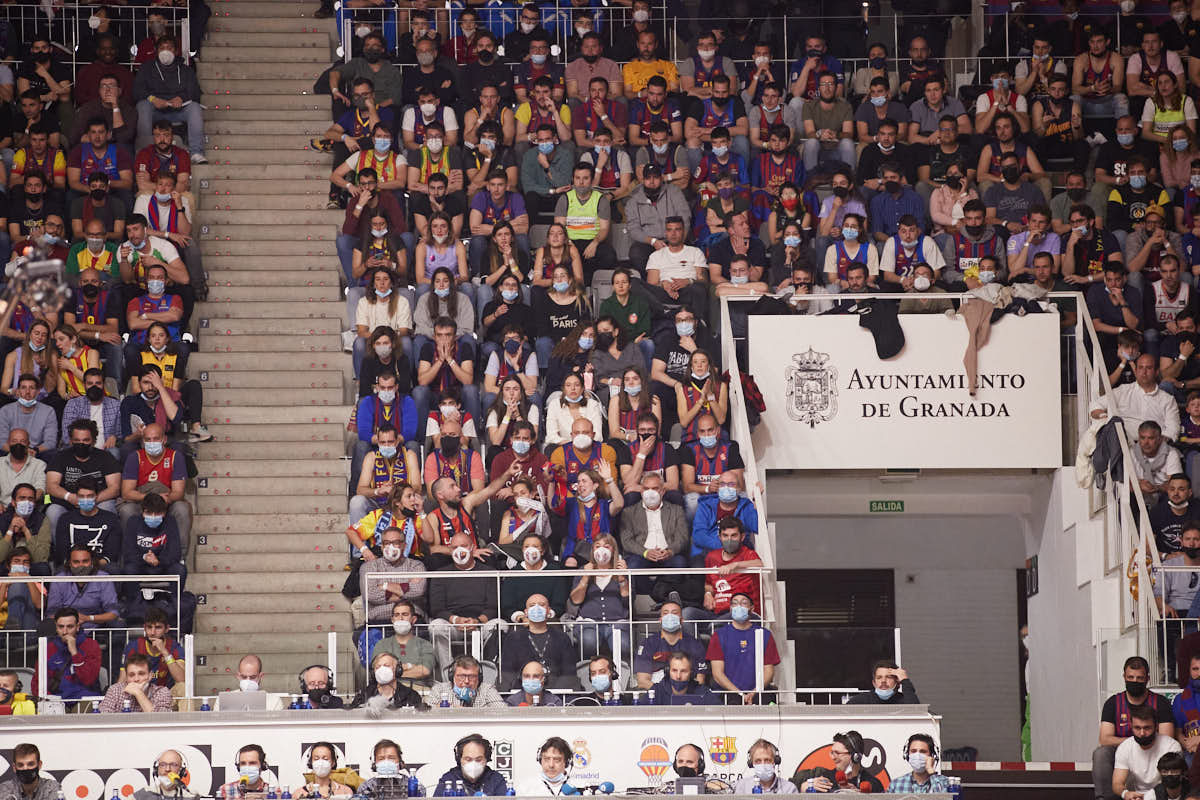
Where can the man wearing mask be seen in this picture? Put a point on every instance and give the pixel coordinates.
(721, 502)
(1135, 766)
(152, 544)
(417, 119)
(48, 76)
(923, 297)
(381, 593)
(317, 688)
(461, 48)
(1010, 201)
(517, 594)
(654, 201)
(974, 241)
(156, 469)
(81, 460)
(465, 689)
(250, 676)
(1174, 513)
(922, 756)
(19, 466)
(689, 758)
(521, 451)
(1175, 593)
(136, 692)
(537, 641)
(385, 684)
(25, 526)
(251, 761)
(94, 311)
(1129, 204)
(720, 586)
(27, 782)
(654, 533)
(155, 403)
(429, 73)
(764, 777)
(546, 173)
(168, 89)
(655, 651)
(473, 752)
(533, 688)
(529, 26)
(374, 65)
(72, 659)
(167, 781)
(592, 63)
(587, 214)
(31, 416)
(1113, 159)
(450, 456)
(885, 149)
(451, 519)
(583, 452)
(732, 654)
(1089, 251)
(460, 606)
(902, 252)
(488, 69)
(680, 686)
(91, 526)
(886, 676)
(414, 655)
(540, 64)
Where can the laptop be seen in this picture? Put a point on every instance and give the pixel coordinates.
(242, 701)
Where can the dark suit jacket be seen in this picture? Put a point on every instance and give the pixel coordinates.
(675, 528)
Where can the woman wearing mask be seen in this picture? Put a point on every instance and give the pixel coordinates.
(509, 407)
(702, 392)
(589, 513)
(831, 217)
(568, 405)
(386, 354)
(558, 251)
(788, 209)
(718, 211)
(602, 597)
(379, 248)
(849, 247)
(571, 356)
(72, 358)
(510, 309)
(383, 684)
(438, 251)
(947, 201)
(503, 258)
(513, 359)
(786, 254)
(611, 357)
(1166, 109)
(527, 515)
(625, 406)
(383, 305)
(1175, 160)
(401, 511)
(168, 356)
(449, 407)
(631, 310)
(31, 358)
(319, 781)
(444, 301)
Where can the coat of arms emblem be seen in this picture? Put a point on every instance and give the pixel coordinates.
(811, 388)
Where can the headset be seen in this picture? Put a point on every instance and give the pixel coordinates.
(701, 766)
(922, 737)
(328, 677)
(473, 738)
(853, 741)
(560, 744)
(332, 751)
(757, 745)
(183, 770)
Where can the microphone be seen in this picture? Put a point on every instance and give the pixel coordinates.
(244, 781)
(839, 777)
(175, 779)
(607, 787)
(569, 789)
(865, 787)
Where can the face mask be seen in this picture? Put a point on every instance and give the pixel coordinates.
(24, 507)
(472, 770)
(581, 441)
(19, 569)
(81, 450)
(531, 685)
(727, 494)
(1082, 230)
(545, 148)
(379, 233)
(158, 351)
(447, 410)
(166, 57)
(1013, 174)
(527, 27)
(954, 182)
(561, 286)
(974, 231)
(450, 445)
(249, 773)
(886, 148)
(80, 572)
(738, 280)
(892, 187)
(707, 55)
(791, 241)
(152, 521)
(739, 613)
(685, 328)
(465, 694)
(1179, 17)
(604, 148)
(661, 148)
(402, 627)
(18, 451)
(1127, 6)
(602, 555)
(537, 58)
(387, 769)
(601, 683)
(1137, 181)
(383, 145)
(586, 342)
(87, 503)
(425, 59)
(95, 244)
(1074, 15)
(880, 101)
(917, 761)
(156, 286)
(434, 145)
(388, 451)
(725, 192)
(1191, 552)
(586, 498)
(604, 340)
(322, 767)
(1172, 781)
(153, 449)
(731, 546)
(764, 772)
(986, 276)
(383, 350)
(533, 555)
(386, 396)
(921, 283)
(879, 62)
(441, 238)
(850, 234)
(27, 776)
(26, 403)
(520, 446)
(510, 296)
(99, 194)
(249, 685)
(885, 694)
(1125, 139)
(461, 555)
(392, 552)
(641, 15)
(581, 31)
(383, 675)
(720, 150)
(999, 84)
(373, 55)
(1179, 145)
(1145, 741)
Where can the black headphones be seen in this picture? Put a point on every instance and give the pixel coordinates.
(757, 745)
(922, 737)
(328, 677)
(560, 744)
(700, 765)
(252, 748)
(183, 770)
(473, 738)
(853, 742)
(332, 751)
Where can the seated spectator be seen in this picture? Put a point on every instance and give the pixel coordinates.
(1037, 238)
(162, 156)
(28, 414)
(386, 162)
(464, 688)
(384, 683)
(510, 403)
(1128, 203)
(722, 584)
(1172, 769)
(154, 403)
(25, 526)
(489, 209)
(156, 469)
(171, 94)
(923, 297)
(852, 249)
(847, 774)
(517, 594)
(151, 543)
(886, 678)
(813, 62)
(1144, 400)
(602, 598)
(650, 456)
(1058, 125)
(527, 514)
(1175, 510)
(604, 682)
(41, 158)
(680, 685)
(72, 657)
(387, 762)
(701, 395)
(533, 688)
(379, 592)
(93, 404)
(880, 106)
(1175, 594)
(828, 125)
(472, 754)
(13, 702)
(628, 405)
(1000, 99)
(1088, 249)
(89, 525)
(927, 112)
(322, 763)
(1135, 766)
(24, 594)
(452, 456)
(97, 154)
(458, 607)
(163, 654)
(28, 780)
(536, 640)
(676, 271)
(384, 409)
(82, 460)
(587, 215)
(136, 691)
(555, 755)
(385, 470)
(98, 204)
(764, 760)
(569, 406)
(448, 362)
(562, 313)
(895, 201)
(1155, 461)
(656, 651)
(530, 461)
(1113, 306)
(581, 452)
(705, 462)
(546, 170)
(1147, 247)
(902, 252)
(95, 602)
(414, 660)
(418, 119)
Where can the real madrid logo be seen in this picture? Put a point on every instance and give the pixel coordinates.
(811, 388)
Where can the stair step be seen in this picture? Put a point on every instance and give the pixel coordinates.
(265, 127)
(326, 279)
(255, 603)
(230, 544)
(269, 59)
(330, 309)
(279, 143)
(307, 114)
(229, 294)
(329, 343)
(274, 9)
(215, 453)
(262, 39)
(288, 522)
(311, 264)
(237, 226)
(293, 327)
(224, 155)
(288, 170)
(279, 415)
(229, 81)
(210, 624)
(270, 104)
(296, 564)
(235, 185)
(333, 432)
(223, 244)
(218, 398)
(267, 504)
(218, 362)
(312, 200)
(276, 467)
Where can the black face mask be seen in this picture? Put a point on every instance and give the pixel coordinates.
(1076, 195)
(686, 772)
(409, 512)
(450, 445)
(1135, 688)
(1172, 781)
(320, 698)
(99, 194)
(95, 393)
(90, 290)
(485, 56)
(1011, 174)
(892, 187)
(373, 56)
(954, 182)
(604, 340)
(27, 776)
(652, 194)
(34, 196)
(18, 451)
(42, 58)
(1145, 741)
(974, 231)
(1191, 552)
(841, 192)
(80, 449)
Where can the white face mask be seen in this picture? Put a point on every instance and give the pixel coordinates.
(641, 15)
(248, 685)
(706, 55)
(322, 767)
(532, 555)
(461, 555)
(471, 770)
(392, 552)
(602, 555)
(402, 627)
(581, 441)
(434, 145)
(384, 675)
(651, 498)
(920, 283)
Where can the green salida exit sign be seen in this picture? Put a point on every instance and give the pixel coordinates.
(887, 506)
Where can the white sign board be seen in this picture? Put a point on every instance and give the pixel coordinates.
(832, 403)
(95, 756)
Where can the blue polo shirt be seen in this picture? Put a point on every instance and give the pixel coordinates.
(654, 651)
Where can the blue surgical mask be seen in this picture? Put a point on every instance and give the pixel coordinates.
(677, 685)
(601, 683)
(1137, 181)
(720, 150)
(87, 503)
(465, 694)
(509, 295)
(633, 391)
(520, 446)
(880, 101)
(850, 234)
(685, 328)
(587, 498)
(531, 685)
(27, 403)
(671, 622)
(156, 286)
(708, 441)
(791, 241)
(739, 613)
(250, 773)
(1179, 144)
(885, 694)
(538, 58)
(727, 494)
(999, 83)
(387, 768)
(545, 148)
(586, 342)
(604, 148)
(442, 293)
(561, 286)
(387, 450)
(152, 521)
(162, 197)
(383, 145)
(536, 613)
(153, 449)
(1124, 139)
(738, 280)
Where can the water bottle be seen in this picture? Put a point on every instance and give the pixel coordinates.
(955, 788)
(459, 791)
(60, 795)
(307, 704)
(286, 794)
(271, 795)
(295, 704)
(757, 789)
(204, 706)
(414, 786)
(510, 792)
(126, 708)
(447, 786)
(116, 795)
(95, 707)
(445, 700)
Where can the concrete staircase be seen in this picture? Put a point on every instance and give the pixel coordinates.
(270, 555)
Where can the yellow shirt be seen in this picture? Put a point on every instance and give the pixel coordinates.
(636, 74)
(524, 113)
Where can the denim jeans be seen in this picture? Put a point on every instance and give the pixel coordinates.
(190, 114)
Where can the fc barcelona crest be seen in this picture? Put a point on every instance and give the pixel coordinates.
(811, 388)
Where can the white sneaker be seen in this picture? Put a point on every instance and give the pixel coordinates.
(348, 338)
(198, 433)
(199, 158)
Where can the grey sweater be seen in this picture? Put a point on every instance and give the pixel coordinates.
(644, 219)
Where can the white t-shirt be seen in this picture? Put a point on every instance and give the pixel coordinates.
(677, 265)
(372, 315)
(1143, 764)
(449, 120)
(96, 414)
(1021, 105)
(142, 206)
